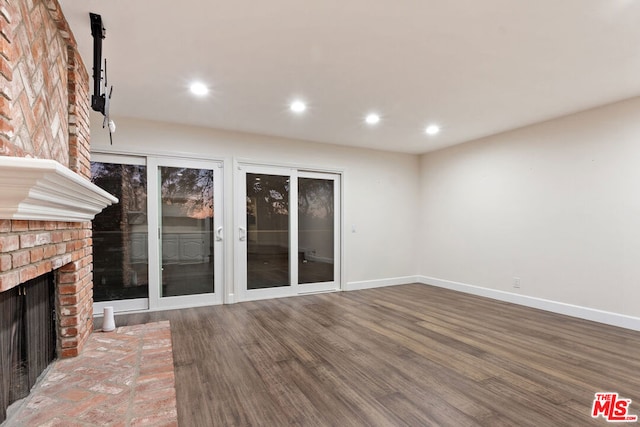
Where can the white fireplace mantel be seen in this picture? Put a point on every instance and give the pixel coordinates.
(44, 190)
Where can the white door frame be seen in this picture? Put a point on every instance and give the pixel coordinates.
(241, 293)
(334, 285)
(134, 304)
(226, 184)
(156, 301)
(240, 234)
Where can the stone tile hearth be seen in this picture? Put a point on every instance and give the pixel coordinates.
(121, 378)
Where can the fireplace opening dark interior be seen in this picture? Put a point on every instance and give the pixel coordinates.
(27, 337)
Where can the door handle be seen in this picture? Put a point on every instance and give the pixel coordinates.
(243, 234)
(219, 234)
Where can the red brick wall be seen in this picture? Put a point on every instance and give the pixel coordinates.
(79, 106)
(44, 113)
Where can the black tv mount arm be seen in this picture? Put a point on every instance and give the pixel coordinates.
(98, 99)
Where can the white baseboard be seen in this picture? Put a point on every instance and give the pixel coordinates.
(601, 316)
(379, 283)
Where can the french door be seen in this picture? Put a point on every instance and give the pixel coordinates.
(288, 232)
(188, 224)
(161, 245)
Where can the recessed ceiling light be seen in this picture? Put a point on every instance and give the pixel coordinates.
(372, 119)
(199, 89)
(432, 129)
(298, 106)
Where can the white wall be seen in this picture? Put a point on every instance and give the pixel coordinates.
(556, 204)
(380, 187)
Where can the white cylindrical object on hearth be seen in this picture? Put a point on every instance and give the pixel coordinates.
(108, 322)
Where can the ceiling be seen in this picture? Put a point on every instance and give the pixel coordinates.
(473, 67)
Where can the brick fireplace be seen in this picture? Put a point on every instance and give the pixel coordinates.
(44, 114)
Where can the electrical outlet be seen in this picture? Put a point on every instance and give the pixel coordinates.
(516, 282)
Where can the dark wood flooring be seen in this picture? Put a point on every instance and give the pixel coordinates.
(405, 355)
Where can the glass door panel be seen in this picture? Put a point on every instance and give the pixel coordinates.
(282, 251)
(187, 231)
(161, 245)
(316, 226)
(120, 235)
(267, 231)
